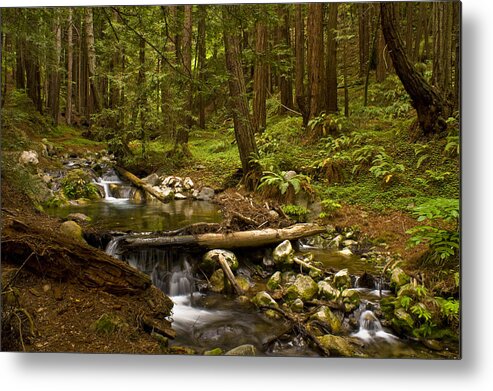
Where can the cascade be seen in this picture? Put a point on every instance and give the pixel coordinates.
(370, 328)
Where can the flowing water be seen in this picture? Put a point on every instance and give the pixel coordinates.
(204, 320)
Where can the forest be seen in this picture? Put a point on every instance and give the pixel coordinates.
(245, 179)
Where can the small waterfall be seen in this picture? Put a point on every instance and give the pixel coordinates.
(113, 246)
(370, 328)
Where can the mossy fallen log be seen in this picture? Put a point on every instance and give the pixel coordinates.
(142, 185)
(252, 238)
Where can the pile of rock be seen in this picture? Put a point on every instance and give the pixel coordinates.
(174, 187)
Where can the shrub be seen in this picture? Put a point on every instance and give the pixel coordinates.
(78, 184)
(295, 212)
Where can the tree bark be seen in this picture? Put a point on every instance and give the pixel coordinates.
(284, 40)
(429, 104)
(141, 184)
(363, 37)
(442, 47)
(91, 60)
(244, 129)
(70, 61)
(54, 84)
(301, 100)
(260, 75)
(201, 63)
(315, 58)
(331, 69)
(253, 238)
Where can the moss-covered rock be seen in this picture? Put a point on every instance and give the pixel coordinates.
(72, 230)
(327, 291)
(327, 317)
(351, 299)
(398, 278)
(210, 260)
(297, 305)
(404, 317)
(283, 253)
(108, 324)
(242, 350)
(339, 346)
(214, 352)
(274, 281)
(342, 279)
(263, 299)
(304, 288)
(243, 283)
(217, 281)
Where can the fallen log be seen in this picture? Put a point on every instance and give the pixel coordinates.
(253, 238)
(142, 185)
(229, 274)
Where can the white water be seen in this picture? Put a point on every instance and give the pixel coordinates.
(370, 329)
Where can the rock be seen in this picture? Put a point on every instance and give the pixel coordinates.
(342, 279)
(287, 278)
(273, 214)
(81, 217)
(72, 230)
(242, 350)
(152, 179)
(274, 281)
(263, 299)
(326, 316)
(366, 281)
(349, 243)
(179, 196)
(290, 175)
(29, 157)
(327, 291)
(283, 253)
(346, 252)
(336, 242)
(195, 194)
(200, 167)
(217, 281)
(398, 277)
(205, 194)
(163, 341)
(297, 305)
(243, 283)
(210, 260)
(339, 346)
(403, 316)
(433, 344)
(187, 183)
(213, 352)
(351, 299)
(303, 288)
(138, 196)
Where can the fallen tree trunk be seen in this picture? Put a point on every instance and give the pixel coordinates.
(253, 238)
(142, 185)
(229, 274)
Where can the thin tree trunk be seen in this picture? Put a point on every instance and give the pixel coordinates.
(409, 30)
(429, 104)
(244, 129)
(315, 58)
(260, 75)
(91, 60)
(420, 28)
(381, 57)
(300, 63)
(201, 63)
(345, 79)
(364, 37)
(331, 69)
(285, 79)
(442, 47)
(70, 60)
(54, 83)
(375, 22)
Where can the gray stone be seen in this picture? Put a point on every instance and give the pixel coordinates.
(304, 288)
(290, 175)
(187, 183)
(283, 253)
(205, 194)
(29, 157)
(263, 299)
(273, 214)
(342, 279)
(351, 299)
(327, 291)
(179, 196)
(152, 179)
(242, 350)
(81, 217)
(346, 252)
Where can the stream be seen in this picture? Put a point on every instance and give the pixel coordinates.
(205, 320)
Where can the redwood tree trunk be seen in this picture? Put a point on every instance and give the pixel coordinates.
(429, 104)
(299, 45)
(244, 129)
(201, 63)
(260, 76)
(91, 59)
(315, 58)
(285, 79)
(331, 89)
(70, 61)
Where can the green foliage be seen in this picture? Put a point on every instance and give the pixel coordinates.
(443, 243)
(297, 213)
(364, 155)
(383, 167)
(326, 124)
(283, 182)
(329, 206)
(78, 184)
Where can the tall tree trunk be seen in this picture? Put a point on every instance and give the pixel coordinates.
(331, 69)
(244, 129)
(315, 58)
(442, 47)
(260, 74)
(420, 28)
(363, 36)
(20, 68)
(54, 83)
(429, 104)
(299, 45)
(285, 79)
(70, 61)
(457, 63)
(91, 60)
(142, 103)
(201, 63)
(381, 57)
(410, 31)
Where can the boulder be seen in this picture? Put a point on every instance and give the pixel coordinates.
(346, 252)
(217, 281)
(152, 179)
(336, 242)
(243, 283)
(327, 291)
(210, 260)
(81, 217)
(297, 305)
(179, 196)
(404, 316)
(72, 230)
(138, 196)
(398, 277)
(205, 194)
(274, 281)
(290, 175)
(339, 346)
(187, 183)
(304, 288)
(342, 279)
(242, 350)
(351, 299)
(29, 157)
(283, 253)
(263, 299)
(327, 317)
